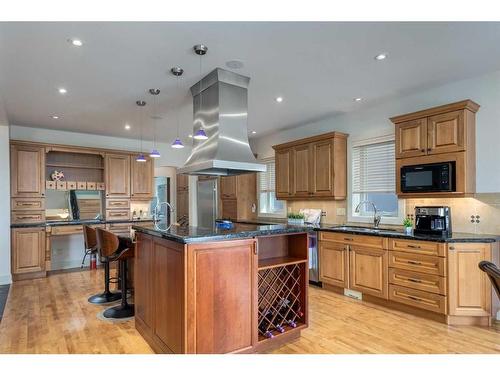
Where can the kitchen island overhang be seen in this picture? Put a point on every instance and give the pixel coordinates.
(240, 290)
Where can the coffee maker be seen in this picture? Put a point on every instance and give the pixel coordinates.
(433, 220)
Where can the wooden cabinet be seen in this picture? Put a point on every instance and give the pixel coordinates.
(469, 287)
(182, 182)
(228, 187)
(313, 167)
(143, 286)
(334, 263)
(238, 197)
(117, 175)
(27, 171)
(141, 179)
(411, 138)
(368, 270)
(28, 251)
(439, 135)
(182, 198)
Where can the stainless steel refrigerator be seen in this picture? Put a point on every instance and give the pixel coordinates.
(207, 203)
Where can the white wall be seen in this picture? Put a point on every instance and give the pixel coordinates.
(373, 120)
(169, 156)
(5, 277)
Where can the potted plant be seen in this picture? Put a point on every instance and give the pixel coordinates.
(295, 219)
(408, 226)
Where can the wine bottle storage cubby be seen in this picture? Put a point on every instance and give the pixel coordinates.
(281, 299)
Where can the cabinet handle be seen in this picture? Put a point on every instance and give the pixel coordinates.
(452, 248)
(414, 280)
(348, 239)
(414, 298)
(413, 246)
(413, 262)
(423, 150)
(429, 149)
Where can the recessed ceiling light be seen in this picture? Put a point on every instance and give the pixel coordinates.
(76, 42)
(62, 90)
(381, 56)
(254, 132)
(234, 64)
(55, 117)
(127, 127)
(358, 99)
(279, 99)
(190, 136)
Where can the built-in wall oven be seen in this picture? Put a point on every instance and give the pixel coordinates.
(426, 178)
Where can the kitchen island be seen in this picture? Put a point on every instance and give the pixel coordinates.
(211, 290)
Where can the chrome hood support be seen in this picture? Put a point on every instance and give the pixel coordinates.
(223, 116)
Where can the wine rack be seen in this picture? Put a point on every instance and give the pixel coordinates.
(281, 299)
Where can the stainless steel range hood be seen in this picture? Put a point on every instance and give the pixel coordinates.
(222, 112)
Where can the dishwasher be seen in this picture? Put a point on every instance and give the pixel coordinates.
(313, 259)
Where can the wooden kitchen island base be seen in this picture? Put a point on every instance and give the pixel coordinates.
(230, 296)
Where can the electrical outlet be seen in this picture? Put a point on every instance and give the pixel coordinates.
(353, 294)
(340, 211)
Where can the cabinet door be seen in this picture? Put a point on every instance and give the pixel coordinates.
(27, 168)
(302, 171)
(284, 173)
(117, 175)
(182, 182)
(411, 138)
(142, 179)
(143, 286)
(229, 209)
(333, 263)
(368, 271)
(168, 271)
(182, 204)
(322, 172)
(28, 250)
(224, 317)
(469, 288)
(228, 187)
(446, 133)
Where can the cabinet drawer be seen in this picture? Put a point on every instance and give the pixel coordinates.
(61, 185)
(19, 217)
(91, 185)
(117, 214)
(417, 280)
(418, 247)
(23, 204)
(119, 229)
(416, 298)
(81, 185)
(117, 203)
(71, 185)
(66, 229)
(416, 262)
(50, 185)
(100, 186)
(354, 239)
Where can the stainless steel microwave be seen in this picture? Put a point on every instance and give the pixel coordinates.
(426, 178)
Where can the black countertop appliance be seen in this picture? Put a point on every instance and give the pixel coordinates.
(433, 220)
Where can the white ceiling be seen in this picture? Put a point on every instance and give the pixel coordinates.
(318, 68)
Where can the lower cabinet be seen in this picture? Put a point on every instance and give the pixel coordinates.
(368, 271)
(334, 264)
(28, 250)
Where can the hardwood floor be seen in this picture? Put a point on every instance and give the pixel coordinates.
(52, 315)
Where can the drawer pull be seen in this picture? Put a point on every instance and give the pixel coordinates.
(28, 217)
(414, 280)
(415, 263)
(414, 298)
(413, 246)
(348, 239)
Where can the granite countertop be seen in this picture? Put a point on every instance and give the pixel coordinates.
(185, 234)
(76, 222)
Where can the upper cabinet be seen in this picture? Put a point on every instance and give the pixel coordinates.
(228, 187)
(27, 168)
(141, 182)
(437, 135)
(117, 175)
(238, 197)
(313, 167)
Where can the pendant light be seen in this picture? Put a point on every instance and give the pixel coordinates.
(177, 72)
(155, 92)
(140, 103)
(200, 50)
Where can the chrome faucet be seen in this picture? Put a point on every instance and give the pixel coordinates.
(376, 217)
(156, 212)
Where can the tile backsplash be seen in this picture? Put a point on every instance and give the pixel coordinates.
(336, 211)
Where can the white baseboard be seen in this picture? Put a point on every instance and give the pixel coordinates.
(5, 279)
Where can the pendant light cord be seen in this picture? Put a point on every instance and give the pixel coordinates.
(178, 105)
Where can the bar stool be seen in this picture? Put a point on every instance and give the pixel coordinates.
(117, 249)
(107, 296)
(90, 242)
(493, 273)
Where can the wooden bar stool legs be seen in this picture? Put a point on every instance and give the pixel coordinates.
(107, 296)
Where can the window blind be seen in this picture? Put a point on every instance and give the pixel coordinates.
(267, 178)
(374, 168)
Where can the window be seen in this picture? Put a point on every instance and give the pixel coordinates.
(373, 179)
(268, 204)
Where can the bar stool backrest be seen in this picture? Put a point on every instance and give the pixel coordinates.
(89, 236)
(493, 273)
(107, 242)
